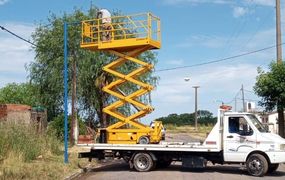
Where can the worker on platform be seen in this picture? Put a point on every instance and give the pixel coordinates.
(105, 15)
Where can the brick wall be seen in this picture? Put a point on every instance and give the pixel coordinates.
(15, 113)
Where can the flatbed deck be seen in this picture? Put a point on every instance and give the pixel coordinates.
(190, 147)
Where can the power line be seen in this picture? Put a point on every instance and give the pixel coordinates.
(219, 60)
(249, 91)
(260, 25)
(238, 29)
(4, 29)
(256, 100)
(174, 68)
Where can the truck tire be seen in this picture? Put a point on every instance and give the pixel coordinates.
(143, 162)
(272, 168)
(144, 140)
(257, 165)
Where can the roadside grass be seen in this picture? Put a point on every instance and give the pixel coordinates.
(24, 154)
(201, 133)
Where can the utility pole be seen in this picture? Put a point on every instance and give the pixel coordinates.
(278, 33)
(280, 110)
(235, 104)
(74, 125)
(196, 107)
(243, 103)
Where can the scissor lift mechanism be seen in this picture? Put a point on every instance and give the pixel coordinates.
(130, 36)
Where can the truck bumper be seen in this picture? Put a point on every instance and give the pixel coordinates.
(276, 156)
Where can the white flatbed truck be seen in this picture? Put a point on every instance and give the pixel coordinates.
(237, 138)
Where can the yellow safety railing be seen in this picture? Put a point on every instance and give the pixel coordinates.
(139, 26)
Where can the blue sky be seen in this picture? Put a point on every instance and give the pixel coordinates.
(193, 31)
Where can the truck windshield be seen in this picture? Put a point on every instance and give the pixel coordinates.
(257, 123)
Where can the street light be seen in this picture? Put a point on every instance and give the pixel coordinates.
(196, 107)
(196, 103)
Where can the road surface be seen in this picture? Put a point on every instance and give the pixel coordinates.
(119, 170)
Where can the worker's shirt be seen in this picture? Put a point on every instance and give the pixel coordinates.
(106, 16)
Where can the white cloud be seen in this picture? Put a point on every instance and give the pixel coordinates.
(221, 2)
(194, 2)
(261, 2)
(219, 81)
(239, 11)
(15, 53)
(216, 81)
(3, 2)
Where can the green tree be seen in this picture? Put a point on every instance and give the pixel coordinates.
(47, 70)
(57, 126)
(23, 93)
(205, 117)
(270, 86)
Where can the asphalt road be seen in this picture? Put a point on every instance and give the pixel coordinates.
(119, 170)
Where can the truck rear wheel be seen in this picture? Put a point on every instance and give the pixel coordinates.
(143, 162)
(257, 165)
(272, 168)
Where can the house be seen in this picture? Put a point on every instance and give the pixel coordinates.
(271, 119)
(15, 113)
(24, 114)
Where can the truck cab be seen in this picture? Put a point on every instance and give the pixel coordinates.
(244, 139)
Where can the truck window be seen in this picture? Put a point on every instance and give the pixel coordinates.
(240, 126)
(257, 123)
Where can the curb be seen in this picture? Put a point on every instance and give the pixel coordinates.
(84, 170)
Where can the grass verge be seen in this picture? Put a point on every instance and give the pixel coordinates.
(24, 154)
(201, 133)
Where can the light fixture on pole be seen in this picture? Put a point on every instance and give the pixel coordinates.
(186, 79)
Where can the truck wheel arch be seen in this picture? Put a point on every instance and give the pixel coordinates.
(261, 153)
(150, 153)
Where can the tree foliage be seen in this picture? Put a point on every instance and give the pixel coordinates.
(46, 72)
(270, 86)
(23, 93)
(57, 126)
(204, 118)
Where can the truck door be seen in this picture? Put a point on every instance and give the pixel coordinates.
(239, 139)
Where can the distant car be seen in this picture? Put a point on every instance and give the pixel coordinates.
(163, 130)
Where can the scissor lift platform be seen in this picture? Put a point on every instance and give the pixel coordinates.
(128, 33)
(126, 37)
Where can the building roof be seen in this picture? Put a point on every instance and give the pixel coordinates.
(15, 107)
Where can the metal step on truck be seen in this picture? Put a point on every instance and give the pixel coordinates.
(237, 138)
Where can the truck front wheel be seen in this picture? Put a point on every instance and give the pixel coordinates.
(143, 162)
(257, 165)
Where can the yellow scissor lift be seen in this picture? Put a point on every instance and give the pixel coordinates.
(129, 36)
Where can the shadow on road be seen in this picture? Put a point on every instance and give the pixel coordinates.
(226, 169)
